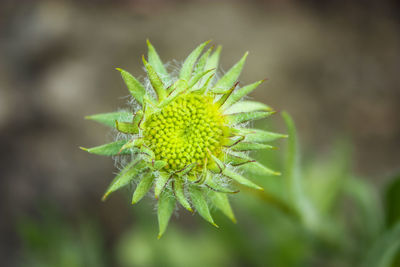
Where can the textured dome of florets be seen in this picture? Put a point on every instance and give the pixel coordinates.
(188, 130)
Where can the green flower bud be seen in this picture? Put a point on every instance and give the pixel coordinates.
(187, 140)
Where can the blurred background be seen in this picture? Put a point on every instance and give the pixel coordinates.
(333, 65)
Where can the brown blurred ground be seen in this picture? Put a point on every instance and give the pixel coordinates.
(333, 66)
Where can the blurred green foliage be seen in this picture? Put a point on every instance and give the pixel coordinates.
(318, 213)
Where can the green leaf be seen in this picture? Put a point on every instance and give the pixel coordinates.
(241, 92)
(231, 77)
(125, 176)
(247, 106)
(245, 146)
(383, 251)
(219, 165)
(249, 116)
(143, 187)
(221, 201)
(240, 179)
(294, 181)
(166, 206)
(392, 201)
(161, 182)
(110, 149)
(136, 88)
(126, 127)
(155, 81)
(174, 90)
(256, 135)
(180, 193)
(197, 77)
(188, 64)
(225, 96)
(109, 119)
(156, 63)
(212, 63)
(210, 183)
(159, 164)
(257, 168)
(201, 63)
(200, 203)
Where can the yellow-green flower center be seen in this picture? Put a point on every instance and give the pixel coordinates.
(186, 131)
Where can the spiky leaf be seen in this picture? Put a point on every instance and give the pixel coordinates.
(155, 80)
(241, 92)
(256, 135)
(212, 63)
(166, 206)
(135, 87)
(126, 127)
(221, 201)
(231, 77)
(240, 179)
(257, 168)
(180, 193)
(158, 66)
(201, 63)
(188, 64)
(245, 146)
(160, 183)
(247, 106)
(109, 119)
(143, 187)
(125, 176)
(248, 116)
(210, 183)
(110, 149)
(200, 203)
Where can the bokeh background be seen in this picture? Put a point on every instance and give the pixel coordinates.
(333, 65)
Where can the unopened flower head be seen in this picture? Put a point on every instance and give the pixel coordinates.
(187, 140)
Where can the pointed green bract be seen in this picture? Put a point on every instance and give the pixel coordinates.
(156, 63)
(221, 201)
(244, 146)
(158, 165)
(219, 165)
(160, 183)
(210, 183)
(212, 63)
(126, 127)
(257, 168)
(109, 119)
(143, 187)
(249, 116)
(231, 77)
(200, 203)
(225, 96)
(241, 92)
(197, 77)
(155, 80)
(166, 206)
(188, 64)
(110, 149)
(201, 63)
(247, 106)
(256, 135)
(136, 89)
(240, 179)
(125, 176)
(180, 193)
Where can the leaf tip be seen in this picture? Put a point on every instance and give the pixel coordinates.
(84, 148)
(214, 224)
